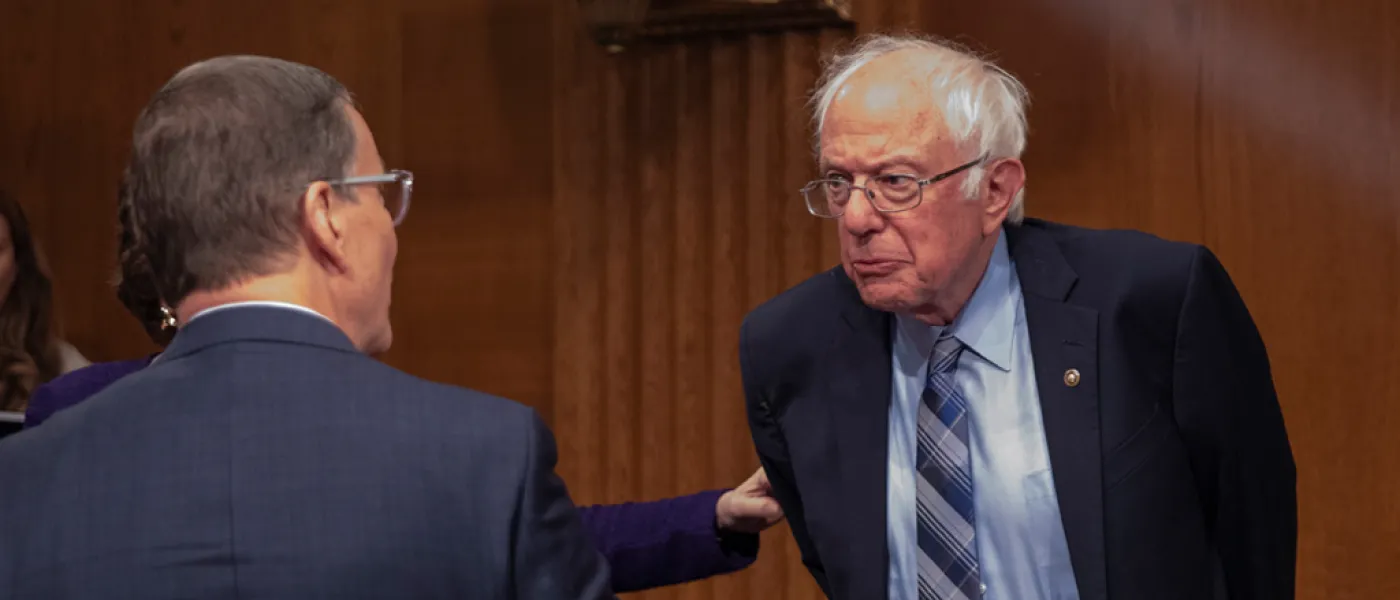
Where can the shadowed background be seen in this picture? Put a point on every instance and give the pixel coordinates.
(588, 229)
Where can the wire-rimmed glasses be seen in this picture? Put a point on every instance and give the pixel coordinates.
(893, 192)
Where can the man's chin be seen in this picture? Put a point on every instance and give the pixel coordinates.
(888, 296)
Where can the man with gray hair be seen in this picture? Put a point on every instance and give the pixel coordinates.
(981, 405)
(264, 454)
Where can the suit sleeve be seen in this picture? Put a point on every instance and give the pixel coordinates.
(1230, 417)
(552, 556)
(666, 542)
(772, 448)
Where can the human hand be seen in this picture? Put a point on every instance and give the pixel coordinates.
(749, 508)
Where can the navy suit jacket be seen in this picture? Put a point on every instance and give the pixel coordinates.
(1171, 463)
(264, 457)
(647, 544)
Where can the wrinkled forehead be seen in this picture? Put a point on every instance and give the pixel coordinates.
(883, 129)
(885, 106)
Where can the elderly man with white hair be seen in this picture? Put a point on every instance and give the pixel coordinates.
(981, 405)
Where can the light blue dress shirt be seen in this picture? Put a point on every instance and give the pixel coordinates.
(1021, 544)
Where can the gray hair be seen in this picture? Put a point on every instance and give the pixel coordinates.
(983, 105)
(219, 158)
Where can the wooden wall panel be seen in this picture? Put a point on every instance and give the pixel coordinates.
(472, 287)
(728, 176)
(698, 150)
(584, 203)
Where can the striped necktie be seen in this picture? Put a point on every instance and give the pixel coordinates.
(947, 522)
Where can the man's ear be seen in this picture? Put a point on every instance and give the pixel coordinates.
(324, 225)
(1005, 179)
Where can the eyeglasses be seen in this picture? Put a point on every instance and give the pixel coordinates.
(395, 187)
(895, 192)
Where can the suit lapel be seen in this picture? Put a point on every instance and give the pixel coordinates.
(1064, 343)
(858, 364)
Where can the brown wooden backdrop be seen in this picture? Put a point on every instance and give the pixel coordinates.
(589, 229)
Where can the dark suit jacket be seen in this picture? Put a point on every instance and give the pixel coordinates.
(647, 544)
(264, 457)
(1170, 458)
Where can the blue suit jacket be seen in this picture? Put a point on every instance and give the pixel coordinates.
(647, 544)
(1171, 463)
(264, 457)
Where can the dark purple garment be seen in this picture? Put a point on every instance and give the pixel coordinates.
(74, 387)
(647, 544)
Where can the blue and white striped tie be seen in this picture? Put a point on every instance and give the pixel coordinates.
(947, 519)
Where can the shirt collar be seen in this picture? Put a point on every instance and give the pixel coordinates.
(985, 324)
(249, 303)
(263, 303)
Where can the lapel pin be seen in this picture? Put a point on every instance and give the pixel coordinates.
(1072, 377)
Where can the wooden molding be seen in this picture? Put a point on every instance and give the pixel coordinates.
(617, 23)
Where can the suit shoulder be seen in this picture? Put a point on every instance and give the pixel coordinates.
(1124, 257)
(1121, 249)
(1138, 280)
(783, 339)
(463, 422)
(802, 309)
(464, 398)
(474, 408)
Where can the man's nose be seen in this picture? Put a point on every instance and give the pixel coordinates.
(861, 218)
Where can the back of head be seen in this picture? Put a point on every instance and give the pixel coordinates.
(256, 179)
(28, 343)
(218, 161)
(134, 282)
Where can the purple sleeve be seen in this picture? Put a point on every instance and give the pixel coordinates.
(70, 389)
(49, 399)
(41, 406)
(666, 542)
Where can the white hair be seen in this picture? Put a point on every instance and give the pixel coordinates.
(983, 106)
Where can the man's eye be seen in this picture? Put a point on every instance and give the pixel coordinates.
(898, 186)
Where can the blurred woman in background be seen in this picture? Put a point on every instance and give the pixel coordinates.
(137, 293)
(30, 351)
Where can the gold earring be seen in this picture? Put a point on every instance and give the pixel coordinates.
(167, 318)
